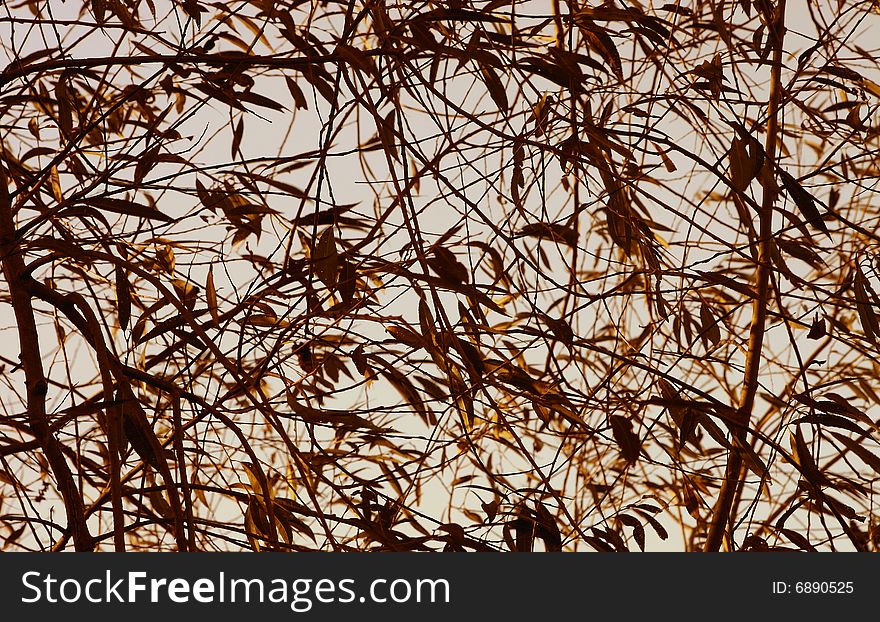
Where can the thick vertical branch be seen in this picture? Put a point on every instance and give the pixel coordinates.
(733, 474)
(15, 273)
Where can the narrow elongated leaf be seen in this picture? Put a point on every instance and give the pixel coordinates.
(831, 421)
(123, 297)
(299, 98)
(236, 138)
(128, 208)
(804, 201)
(856, 447)
(637, 527)
(551, 231)
(211, 295)
(496, 88)
(710, 331)
(865, 307)
(326, 259)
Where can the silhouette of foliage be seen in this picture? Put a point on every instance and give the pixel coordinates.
(439, 275)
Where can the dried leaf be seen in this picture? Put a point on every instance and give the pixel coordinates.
(128, 208)
(856, 447)
(65, 106)
(637, 528)
(236, 138)
(798, 539)
(123, 297)
(709, 324)
(804, 201)
(551, 231)
(160, 504)
(299, 98)
(347, 281)
(628, 442)
(831, 421)
(496, 88)
(186, 292)
(99, 10)
(326, 259)
(817, 329)
(865, 306)
(491, 510)
(55, 179)
(742, 167)
(357, 59)
(211, 295)
(445, 264)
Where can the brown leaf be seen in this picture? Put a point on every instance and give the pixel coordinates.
(387, 135)
(236, 137)
(160, 504)
(259, 100)
(865, 306)
(547, 529)
(799, 540)
(817, 329)
(831, 421)
(192, 8)
(628, 442)
(299, 98)
(551, 231)
(742, 167)
(347, 281)
(496, 88)
(655, 524)
(186, 292)
(99, 10)
(357, 58)
(165, 259)
(118, 8)
(128, 208)
(560, 329)
(445, 264)
(491, 509)
(860, 450)
(326, 258)
(405, 336)
(284, 511)
(804, 201)
(65, 105)
(123, 297)
(800, 251)
(55, 180)
(637, 527)
(211, 295)
(709, 324)
(212, 199)
(258, 518)
(801, 453)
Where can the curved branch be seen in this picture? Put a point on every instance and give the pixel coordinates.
(14, 271)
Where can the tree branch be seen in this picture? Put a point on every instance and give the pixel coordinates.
(14, 272)
(734, 470)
